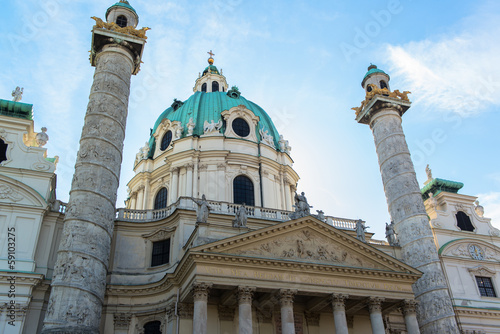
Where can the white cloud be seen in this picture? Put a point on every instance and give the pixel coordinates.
(491, 203)
(457, 72)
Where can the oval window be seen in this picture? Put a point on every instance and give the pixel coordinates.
(240, 127)
(166, 140)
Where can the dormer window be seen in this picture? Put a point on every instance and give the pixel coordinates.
(204, 87)
(463, 222)
(121, 21)
(166, 140)
(215, 86)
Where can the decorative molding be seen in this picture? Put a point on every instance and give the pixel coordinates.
(122, 320)
(409, 306)
(6, 192)
(160, 234)
(482, 271)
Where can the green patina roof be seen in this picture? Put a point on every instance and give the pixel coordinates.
(213, 69)
(16, 109)
(207, 107)
(371, 70)
(121, 3)
(438, 185)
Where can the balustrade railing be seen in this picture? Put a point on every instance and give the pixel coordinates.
(187, 203)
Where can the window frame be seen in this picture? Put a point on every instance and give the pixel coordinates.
(162, 147)
(164, 242)
(247, 202)
(490, 288)
(470, 220)
(156, 197)
(121, 17)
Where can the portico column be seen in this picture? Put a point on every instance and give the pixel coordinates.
(338, 305)
(286, 301)
(410, 314)
(200, 296)
(375, 307)
(245, 294)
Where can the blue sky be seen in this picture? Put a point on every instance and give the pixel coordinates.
(301, 61)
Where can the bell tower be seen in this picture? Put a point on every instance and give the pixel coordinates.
(382, 110)
(79, 282)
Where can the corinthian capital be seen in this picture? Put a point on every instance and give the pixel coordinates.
(245, 294)
(201, 290)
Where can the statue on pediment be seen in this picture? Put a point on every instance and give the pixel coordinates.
(241, 217)
(203, 209)
(390, 234)
(302, 208)
(360, 230)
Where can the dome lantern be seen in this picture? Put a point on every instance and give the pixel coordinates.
(123, 14)
(376, 77)
(211, 80)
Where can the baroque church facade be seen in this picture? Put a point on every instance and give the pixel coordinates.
(214, 237)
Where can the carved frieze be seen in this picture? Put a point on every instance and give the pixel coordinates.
(474, 251)
(309, 245)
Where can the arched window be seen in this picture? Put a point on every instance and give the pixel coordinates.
(368, 88)
(243, 191)
(383, 84)
(3, 150)
(166, 140)
(152, 327)
(204, 87)
(463, 222)
(161, 199)
(121, 21)
(215, 86)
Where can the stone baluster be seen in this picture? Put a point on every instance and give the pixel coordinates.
(245, 309)
(375, 307)
(286, 300)
(338, 305)
(200, 296)
(410, 314)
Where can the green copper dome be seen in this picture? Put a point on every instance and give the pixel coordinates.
(212, 68)
(371, 70)
(203, 107)
(121, 3)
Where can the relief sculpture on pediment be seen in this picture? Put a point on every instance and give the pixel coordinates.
(307, 245)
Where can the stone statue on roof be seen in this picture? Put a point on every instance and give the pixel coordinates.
(17, 94)
(241, 217)
(42, 138)
(390, 234)
(360, 230)
(428, 171)
(203, 209)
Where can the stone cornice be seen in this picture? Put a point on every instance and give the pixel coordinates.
(481, 312)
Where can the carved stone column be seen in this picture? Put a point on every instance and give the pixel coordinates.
(410, 313)
(245, 294)
(79, 282)
(375, 307)
(147, 195)
(200, 296)
(338, 305)
(407, 209)
(286, 300)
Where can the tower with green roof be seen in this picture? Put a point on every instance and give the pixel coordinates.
(382, 110)
(79, 282)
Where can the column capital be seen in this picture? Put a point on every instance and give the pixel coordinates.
(338, 301)
(245, 294)
(286, 296)
(409, 306)
(201, 290)
(375, 304)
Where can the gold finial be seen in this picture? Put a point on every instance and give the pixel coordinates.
(211, 59)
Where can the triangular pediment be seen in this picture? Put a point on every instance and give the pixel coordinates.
(307, 240)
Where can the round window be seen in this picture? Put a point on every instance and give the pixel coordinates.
(165, 141)
(240, 127)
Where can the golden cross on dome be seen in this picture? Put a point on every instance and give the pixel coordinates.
(211, 54)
